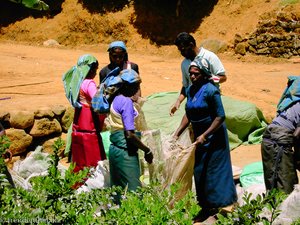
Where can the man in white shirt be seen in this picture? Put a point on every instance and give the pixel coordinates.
(186, 44)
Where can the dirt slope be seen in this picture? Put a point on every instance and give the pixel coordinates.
(144, 25)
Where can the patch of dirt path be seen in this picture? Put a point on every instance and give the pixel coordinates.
(30, 78)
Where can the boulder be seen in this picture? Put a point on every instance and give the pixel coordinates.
(44, 112)
(4, 118)
(58, 110)
(21, 119)
(214, 45)
(20, 140)
(240, 48)
(44, 127)
(48, 146)
(51, 42)
(67, 118)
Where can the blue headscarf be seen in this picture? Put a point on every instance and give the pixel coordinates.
(117, 44)
(290, 95)
(130, 76)
(74, 77)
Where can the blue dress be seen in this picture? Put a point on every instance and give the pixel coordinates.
(212, 172)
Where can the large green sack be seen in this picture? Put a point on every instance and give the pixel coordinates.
(252, 174)
(245, 122)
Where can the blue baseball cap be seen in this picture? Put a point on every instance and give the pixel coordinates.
(117, 44)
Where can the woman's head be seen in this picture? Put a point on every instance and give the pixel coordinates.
(93, 70)
(199, 70)
(88, 65)
(131, 82)
(117, 53)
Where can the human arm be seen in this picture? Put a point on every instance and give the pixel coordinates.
(135, 67)
(296, 133)
(103, 72)
(217, 122)
(133, 139)
(217, 68)
(183, 125)
(124, 106)
(89, 86)
(185, 84)
(179, 100)
(222, 78)
(216, 110)
(217, 79)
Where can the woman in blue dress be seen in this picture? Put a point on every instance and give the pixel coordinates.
(212, 171)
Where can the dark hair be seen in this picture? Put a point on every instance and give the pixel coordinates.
(111, 50)
(129, 89)
(93, 66)
(184, 38)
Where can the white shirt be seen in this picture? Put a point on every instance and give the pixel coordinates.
(217, 67)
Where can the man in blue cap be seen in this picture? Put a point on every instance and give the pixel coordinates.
(118, 57)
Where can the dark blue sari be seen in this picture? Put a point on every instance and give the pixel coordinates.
(212, 172)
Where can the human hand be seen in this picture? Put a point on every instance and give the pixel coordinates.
(174, 107)
(296, 133)
(174, 139)
(149, 157)
(200, 140)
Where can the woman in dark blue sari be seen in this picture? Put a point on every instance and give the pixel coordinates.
(212, 171)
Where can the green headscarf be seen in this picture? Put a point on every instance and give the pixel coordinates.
(73, 78)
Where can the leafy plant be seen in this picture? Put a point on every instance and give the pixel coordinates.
(251, 211)
(32, 4)
(297, 222)
(289, 2)
(54, 199)
(4, 145)
(150, 205)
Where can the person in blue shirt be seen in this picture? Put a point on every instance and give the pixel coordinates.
(187, 46)
(204, 110)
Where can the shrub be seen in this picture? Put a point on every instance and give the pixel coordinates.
(53, 199)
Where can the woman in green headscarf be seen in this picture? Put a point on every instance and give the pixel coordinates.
(87, 147)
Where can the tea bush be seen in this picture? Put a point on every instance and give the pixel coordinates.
(53, 199)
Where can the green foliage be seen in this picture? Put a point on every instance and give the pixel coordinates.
(32, 4)
(54, 199)
(250, 212)
(297, 222)
(150, 205)
(4, 145)
(289, 2)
